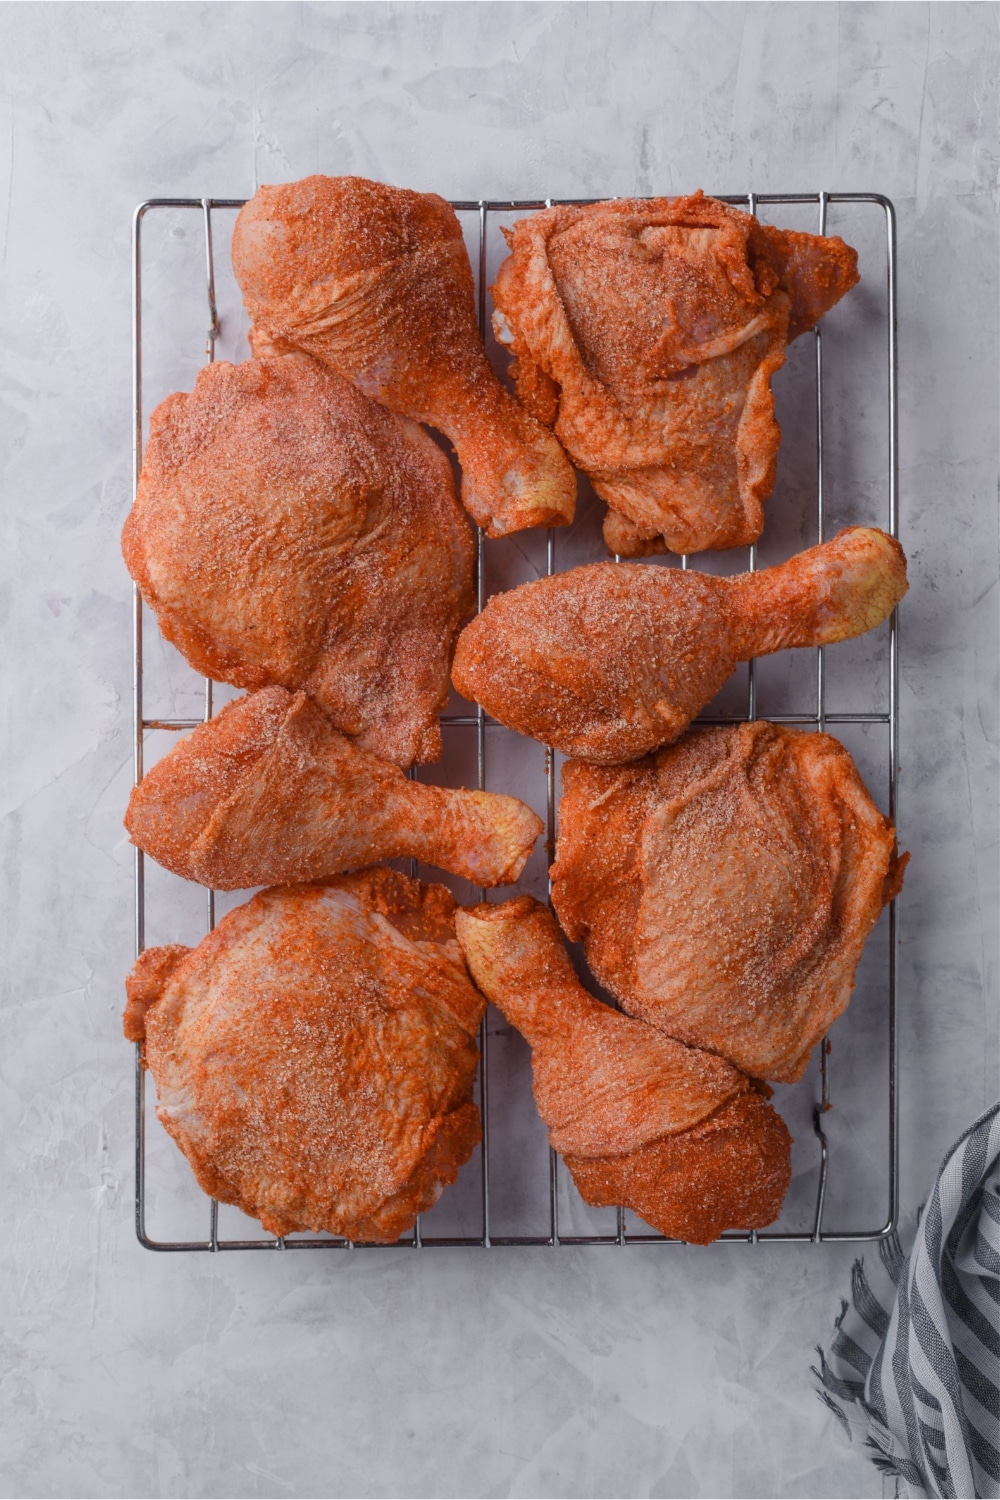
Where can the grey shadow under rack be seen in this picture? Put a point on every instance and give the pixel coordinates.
(819, 718)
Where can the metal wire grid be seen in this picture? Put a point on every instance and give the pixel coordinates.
(820, 719)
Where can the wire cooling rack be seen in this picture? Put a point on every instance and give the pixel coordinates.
(563, 1218)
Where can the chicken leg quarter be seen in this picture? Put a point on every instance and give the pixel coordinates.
(608, 661)
(375, 281)
(640, 1120)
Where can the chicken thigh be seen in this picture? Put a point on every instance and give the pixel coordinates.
(641, 1120)
(375, 281)
(608, 661)
(288, 530)
(314, 1055)
(646, 331)
(268, 793)
(724, 888)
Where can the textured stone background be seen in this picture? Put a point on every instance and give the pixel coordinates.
(515, 1373)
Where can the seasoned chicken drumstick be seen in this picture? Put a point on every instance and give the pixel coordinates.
(608, 661)
(288, 530)
(268, 793)
(724, 888)
(646, 331)
(375, 281)
(641, 1120)
(314, 1056)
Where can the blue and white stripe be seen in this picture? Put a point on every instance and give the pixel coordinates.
(915, 1373)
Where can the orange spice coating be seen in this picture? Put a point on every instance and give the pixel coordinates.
(288, 530)
(724, 888)
(314, 1055)
(641, 1120)
(608, 661)
(375, 281)
(646, 332)
(268, 793)
(729, 1172)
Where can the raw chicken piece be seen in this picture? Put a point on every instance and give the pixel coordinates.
(288, 530)
(606, 662)
(268, 793)
(640, 1120)
(375, 281)
(646, 331)
(724, 888)
(314, 1055)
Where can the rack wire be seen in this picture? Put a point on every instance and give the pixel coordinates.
(820, 718)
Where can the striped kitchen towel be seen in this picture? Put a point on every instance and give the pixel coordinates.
(913, 1371)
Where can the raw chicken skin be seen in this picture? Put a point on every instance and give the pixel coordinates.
(608, 661)
(314, 1055)
(268, 793)
(640, 1120)
(289, 531)
(724, 888)
(647, 331)
(375, 281)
